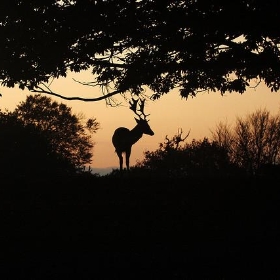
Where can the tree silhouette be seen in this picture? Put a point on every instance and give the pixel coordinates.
(253, 142)
(128, 45)
(41, 134)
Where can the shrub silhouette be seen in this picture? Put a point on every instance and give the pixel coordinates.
(253, 142)
(174, 158)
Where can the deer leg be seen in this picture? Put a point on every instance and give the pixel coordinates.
(120, 160)
(127, 156)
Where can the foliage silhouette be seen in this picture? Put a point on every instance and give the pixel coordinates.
(127, 45)
(41, 135)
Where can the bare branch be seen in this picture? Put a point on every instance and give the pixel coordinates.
(176, 140)
(50, 92)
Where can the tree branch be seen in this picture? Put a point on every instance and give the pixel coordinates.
(49, 92)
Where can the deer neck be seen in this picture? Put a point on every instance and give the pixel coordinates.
(135, 133)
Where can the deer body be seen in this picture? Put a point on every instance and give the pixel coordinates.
(123, 139)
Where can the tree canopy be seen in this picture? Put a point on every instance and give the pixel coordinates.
(194, 45)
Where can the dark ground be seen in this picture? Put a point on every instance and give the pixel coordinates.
(104, 228)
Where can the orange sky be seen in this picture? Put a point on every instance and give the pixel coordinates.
(168, 114)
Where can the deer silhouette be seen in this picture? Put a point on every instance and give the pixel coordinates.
(123, 138)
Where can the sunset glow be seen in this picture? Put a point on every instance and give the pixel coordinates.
(200, 114)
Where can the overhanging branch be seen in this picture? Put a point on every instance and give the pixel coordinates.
(103, 97)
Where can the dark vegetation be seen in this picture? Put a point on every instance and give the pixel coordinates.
(187, 211)
(89, 227)
(43, 137)
(208, 209)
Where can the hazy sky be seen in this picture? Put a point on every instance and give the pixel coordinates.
(168, 114)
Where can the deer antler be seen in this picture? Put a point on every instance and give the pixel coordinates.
(133, 105)
(138, 103)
